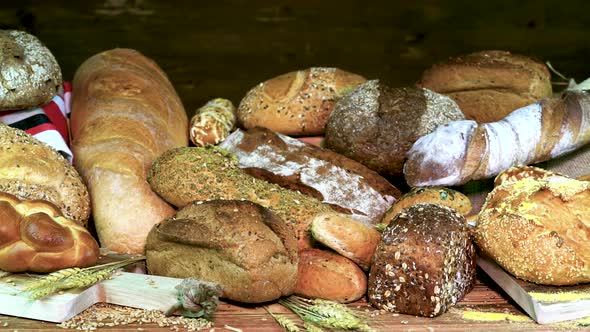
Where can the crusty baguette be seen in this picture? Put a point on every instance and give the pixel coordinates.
(125, 113)
(465, 150)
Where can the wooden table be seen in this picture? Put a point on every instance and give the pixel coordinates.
(485, 298)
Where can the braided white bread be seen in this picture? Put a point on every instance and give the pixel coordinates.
(35, 236)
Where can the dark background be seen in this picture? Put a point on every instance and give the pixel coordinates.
(223, 48)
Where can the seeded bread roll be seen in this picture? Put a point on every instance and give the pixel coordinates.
(31, 169)
(329, 276)
(425, 262)
(296, 103)
(376, 125)
(489, 85)
(535, 224)
(29, 74)
(239, 245)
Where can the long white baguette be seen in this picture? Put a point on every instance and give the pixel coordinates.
(462, 151)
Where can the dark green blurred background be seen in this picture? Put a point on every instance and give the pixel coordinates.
(223, 48)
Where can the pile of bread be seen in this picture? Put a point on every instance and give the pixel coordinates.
(292, 191)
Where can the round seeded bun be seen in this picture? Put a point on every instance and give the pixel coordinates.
(29, 74)
(376, 124)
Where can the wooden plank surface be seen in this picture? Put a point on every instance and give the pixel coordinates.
(485, 298)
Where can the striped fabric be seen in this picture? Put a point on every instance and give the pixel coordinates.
(49, 123)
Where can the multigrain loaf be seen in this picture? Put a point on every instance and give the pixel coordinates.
(376, 124)
(326, 275)
(297, 103)
(536, 225)
(183, 175)
(346, 185)
(30, 75)
(424, 263)
(125, 113)
(31, 169)
(240, 245)
(489, 85)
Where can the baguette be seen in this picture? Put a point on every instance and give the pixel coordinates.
(125, 113)
(464, 150)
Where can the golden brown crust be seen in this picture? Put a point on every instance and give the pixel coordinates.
(329, 276)
(30, 74)
(36, 237)
(518, 228)
(296, 103)
(488, 85)
(125, 113)
(239, 245)
(30, 169)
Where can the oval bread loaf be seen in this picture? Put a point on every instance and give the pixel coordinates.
(239, 245)
(329, 276)
(296, 103)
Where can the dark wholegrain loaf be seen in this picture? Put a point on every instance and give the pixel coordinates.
(346, 185)
(376, 124)
(240, 245)
(424, 263)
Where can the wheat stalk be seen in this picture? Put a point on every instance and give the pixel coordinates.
(284, 322)
(311, 327)
(51, 278)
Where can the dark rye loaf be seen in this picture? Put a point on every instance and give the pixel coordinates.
(240, 245)
(346, 185)
(425, 262)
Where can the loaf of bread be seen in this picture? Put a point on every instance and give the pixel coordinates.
(296, 103)
(239, 245)
(125, 113)
(329, 276)
(348, 237)
(30, 74)
(35, 236)
(535, 224)
(346, 185)
(376, 125)
(489, 85)
(183, 175)
(31, 169)
(424, 263)
(213, 122)
(433, 195)
(462, 151)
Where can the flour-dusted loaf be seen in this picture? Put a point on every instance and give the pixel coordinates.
(376, 124)
(461, 151)
(35, 236)
(326, 275)
(346, 185)
(536, 225)
(425, 262)
(212, 122)
(125, 113)
(240, 245)
(489, 85)
(31, 169)
(29, 74)
(297, 103)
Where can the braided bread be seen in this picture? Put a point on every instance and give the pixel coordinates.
(35, 236)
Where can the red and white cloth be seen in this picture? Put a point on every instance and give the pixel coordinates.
(48, 123)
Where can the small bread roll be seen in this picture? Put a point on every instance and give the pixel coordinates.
(296, 103)
(489, 85)
(376, 124)
(29, 74)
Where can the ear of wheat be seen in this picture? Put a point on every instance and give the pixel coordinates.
(73, 278)
(284, 322)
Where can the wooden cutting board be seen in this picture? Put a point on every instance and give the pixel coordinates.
(544, 304)
(127, 289)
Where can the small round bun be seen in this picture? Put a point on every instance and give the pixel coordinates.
(29, 74)
(296, 103)
(376, 124)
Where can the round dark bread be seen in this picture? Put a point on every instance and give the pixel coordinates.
(424, 263)
(376, 124)
(239, 245)
(30, 74)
